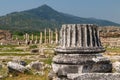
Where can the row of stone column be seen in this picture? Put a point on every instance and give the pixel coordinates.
(42, 38)
(80, 35)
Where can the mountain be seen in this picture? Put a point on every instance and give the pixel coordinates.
(44, 17)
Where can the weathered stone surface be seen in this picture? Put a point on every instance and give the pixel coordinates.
(75, 58)
(16, 67)
(83, 63)
(23, 63)
(51, 75)
(116, 66)
(94, 76)
(88, 67)
(79, 51)
(38, 66)
(5, 34)
(79, 38)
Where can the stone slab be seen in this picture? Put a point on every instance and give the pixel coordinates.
(79, 59)
(94, 76)
(81, 50)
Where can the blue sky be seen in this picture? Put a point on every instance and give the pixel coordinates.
(101, 9)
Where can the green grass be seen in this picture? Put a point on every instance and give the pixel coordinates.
(33, 46)
(3, 71)
(16, 54)
(6, 50)
(12, 50)
(48, 61)
(8, 46)
(113, 49)
(28, 77)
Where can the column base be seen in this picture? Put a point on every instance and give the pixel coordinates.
(93, 76)
(82, 63)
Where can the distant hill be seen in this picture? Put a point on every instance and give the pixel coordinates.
(44, 17)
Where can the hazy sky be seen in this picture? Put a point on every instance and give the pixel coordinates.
(102, 9)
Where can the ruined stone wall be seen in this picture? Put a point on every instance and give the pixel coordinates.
(110, 36)
(110, 42)
(5, 35)
(109, 31)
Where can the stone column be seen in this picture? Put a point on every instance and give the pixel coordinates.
(79, 42)
(45, 38)
(73, 35)
(79, 36)
(28, 37)
(91, 37)
(56, 36)
(95, 37)
(64, 35)
(40, 37)
(98, 35)
(76, 55)
(61, 39)
(85, 37)
(49, 36)
(32, 37)
(24, 37)
(36, 39)
(69, 36)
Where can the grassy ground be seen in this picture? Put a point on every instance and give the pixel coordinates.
(113, 51)
(17, 51)
(45, 60)
(27, 77)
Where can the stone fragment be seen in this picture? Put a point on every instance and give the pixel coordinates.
(38, 66)
(94, 76)
(116, 67)
(51, 75)
(41, 38)
(16, 67)
(21, 62)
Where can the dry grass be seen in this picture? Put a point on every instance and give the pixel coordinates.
(29, 76)
(26, 77)
(112, 51)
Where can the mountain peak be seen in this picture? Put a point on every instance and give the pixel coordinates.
(45, 6)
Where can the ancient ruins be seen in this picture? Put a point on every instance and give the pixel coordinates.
(5, 36)
(111, 42)
(79, 52)
(109, 37)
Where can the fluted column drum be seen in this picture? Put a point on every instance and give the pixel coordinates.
(79, 52)
(79, 38)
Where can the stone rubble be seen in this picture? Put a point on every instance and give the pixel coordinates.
(116, 67)
(16, 67)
